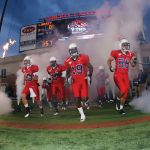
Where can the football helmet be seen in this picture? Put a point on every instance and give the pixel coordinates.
(53, 62)
(27, 61)
(44, 78)
(73, 50)
(101, 68)
(124, 45)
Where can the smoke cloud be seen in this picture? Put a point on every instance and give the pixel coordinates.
(142, 103)
(19, 85)
(125, 21)
(5, 104)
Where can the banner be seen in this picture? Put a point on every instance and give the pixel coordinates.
(28, 38)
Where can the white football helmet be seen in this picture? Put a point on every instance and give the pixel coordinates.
(72, 45)
(53, 62)
(124, 45)
(44, 78)
(101, 68)
(27, 61)
(52, 59)
(73, 50)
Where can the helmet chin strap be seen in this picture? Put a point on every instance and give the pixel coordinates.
(124, 51)
(53, 65)
(75, 56)
(27, 65)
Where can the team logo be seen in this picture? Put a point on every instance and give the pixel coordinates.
(29, 29)
(78, 26)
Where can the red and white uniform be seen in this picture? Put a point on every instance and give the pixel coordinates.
(79, 70)
(57, 85)
(31, 85)
(121, 72)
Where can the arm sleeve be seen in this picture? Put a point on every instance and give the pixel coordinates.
(66, 64)
(36, 68)
(22, 69)
(132, 55)
(85, 59)
(113, 54)
(63, 68)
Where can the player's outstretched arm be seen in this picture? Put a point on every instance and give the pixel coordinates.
(90, 72)
(90, 67)
(68, 77)
(133, 61)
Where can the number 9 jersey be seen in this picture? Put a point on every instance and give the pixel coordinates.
(78, 67)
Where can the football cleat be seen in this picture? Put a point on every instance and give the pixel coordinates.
(41, 112)
(82, 119)
(100, 106)
(87, 105)
(121, 111)
(27, 112)
(117, 104)
(64, 108)
(41, 115)
(56, 114)
(27, 115)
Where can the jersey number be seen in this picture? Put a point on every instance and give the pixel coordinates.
(123, 63)
(79, 69)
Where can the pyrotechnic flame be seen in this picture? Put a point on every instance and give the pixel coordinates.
(7, 46)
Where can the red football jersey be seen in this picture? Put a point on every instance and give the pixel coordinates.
(56, 73)
(122, 60)
(78, 67)
(29, 74)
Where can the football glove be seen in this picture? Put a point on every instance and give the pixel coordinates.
(111, 69)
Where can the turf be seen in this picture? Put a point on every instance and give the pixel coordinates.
(108, 113)
(132, 137)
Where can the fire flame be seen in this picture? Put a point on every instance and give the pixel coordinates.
(7, 46)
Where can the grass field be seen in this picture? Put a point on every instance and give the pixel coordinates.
(129, 137)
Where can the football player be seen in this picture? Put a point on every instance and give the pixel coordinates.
(102, 80)
(30, 72)
(46, 90)
(79, 72)
(55, 72)
(122, 57)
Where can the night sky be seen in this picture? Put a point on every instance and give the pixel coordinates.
(25, 12)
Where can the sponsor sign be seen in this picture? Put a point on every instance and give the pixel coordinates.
(78, 26)
(28, 38)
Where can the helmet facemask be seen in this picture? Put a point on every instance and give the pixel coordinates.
(27, 61)
(74, 53)
(53, 63)
(125, 47)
